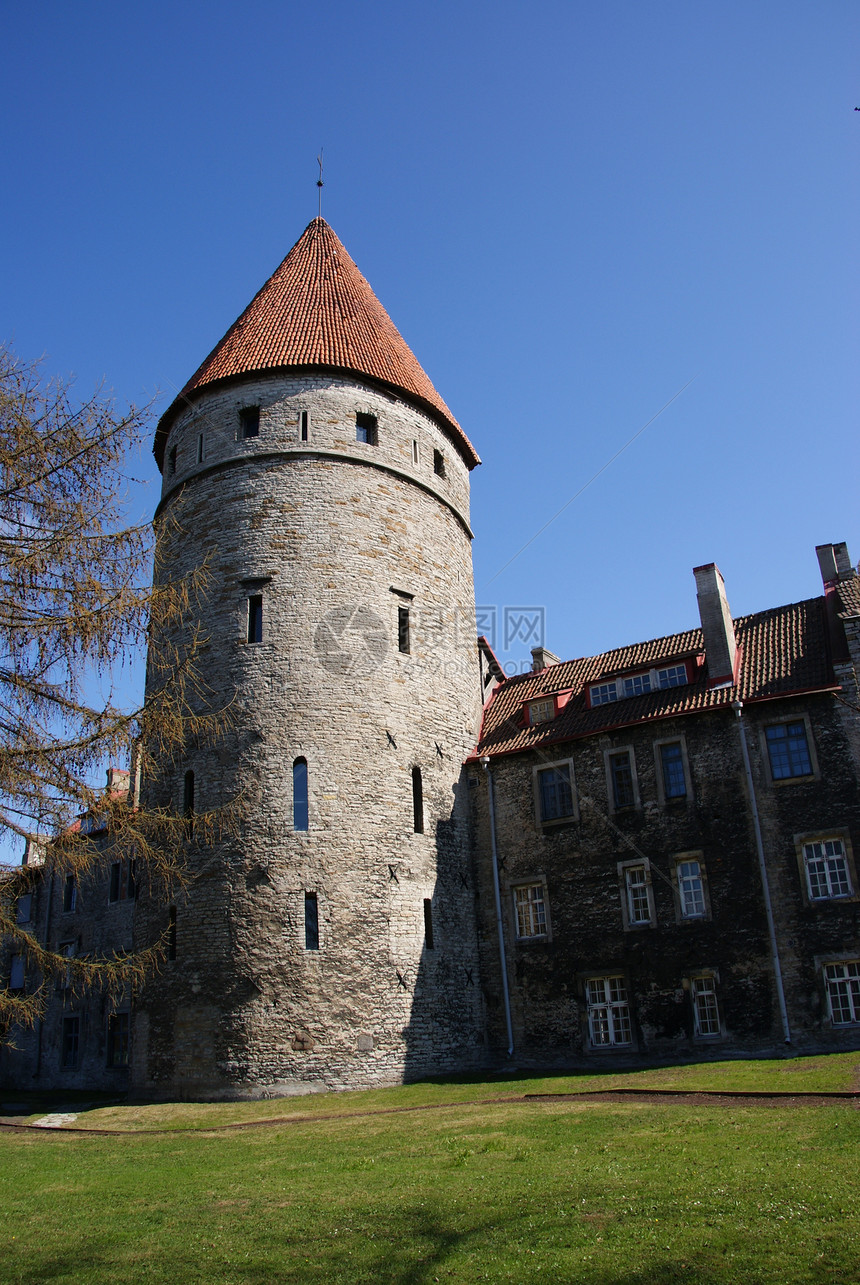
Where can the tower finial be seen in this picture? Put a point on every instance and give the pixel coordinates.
(320, 181)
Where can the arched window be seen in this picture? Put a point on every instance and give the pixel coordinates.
(300, 794)
(188, 803)
(417, 801)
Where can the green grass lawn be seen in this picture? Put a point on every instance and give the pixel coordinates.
(566, 1191)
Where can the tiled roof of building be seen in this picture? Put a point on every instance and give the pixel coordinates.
(848, 592)
(317, 311)
(782, 651)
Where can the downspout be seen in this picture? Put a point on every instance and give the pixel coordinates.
(738, 706)
(485, 763)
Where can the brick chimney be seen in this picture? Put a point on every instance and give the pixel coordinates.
(834, 562)
(542, 658)
(717, 624)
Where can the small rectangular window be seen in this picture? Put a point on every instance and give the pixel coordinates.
(542, 711)
(672, 676)
(70, 893)
(365, 428)
(438, 463)
(171, 933)
(121, 880)
(843, 992)
(68, 950)
(691, 889)
(200, 448)
(417, 801)
(608, 1011)
(303, 425)
(428, 923)
(621, 776)
(530, 908)
(16, 973)
(312, 922)
(603, 693)
(249, 421)
(24, 910)
(255, 618)
(638, 685)
(636, 889)
(827, 873)
(71, 1042)
(705, 1008)
(403, 640)
(556, 795)
(415, 455)
(672, 767)
(788, 750)
(118, 1041)
(171, 461)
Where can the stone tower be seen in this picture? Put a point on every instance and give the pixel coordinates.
(327, 484)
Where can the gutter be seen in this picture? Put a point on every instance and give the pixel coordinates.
(485, 763)
(738, 706)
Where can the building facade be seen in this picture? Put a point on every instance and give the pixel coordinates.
(637, 856)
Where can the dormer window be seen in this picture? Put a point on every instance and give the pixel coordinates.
(649, 680)
(542, 711)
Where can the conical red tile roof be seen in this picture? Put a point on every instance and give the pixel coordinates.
(317, 310)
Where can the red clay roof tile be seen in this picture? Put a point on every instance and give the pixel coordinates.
(317, 310)
(782, 651)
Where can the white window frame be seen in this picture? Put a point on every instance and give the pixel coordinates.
(608, 755)
(676, 800)
(852, 969)
(615, 689)
(804, 841)
(537, 883)
(679, 859)
(625, 884)
(781, 781)
(541, 711)
(536, 790)
(704, 984)
(615, 1012)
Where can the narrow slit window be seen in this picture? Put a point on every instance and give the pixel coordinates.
(255, 618)
(416, 459)
(171, 933)
(249, 421)
(428, 923)
(403, 629)
(366, 428)
(417, 801)
(303, 426)
(188, 803)
(312, 922)
(70, 893)
(201, 449)
(300, 794)
(438, 463)
(171, 461)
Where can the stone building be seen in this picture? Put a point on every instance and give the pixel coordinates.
(641, 855)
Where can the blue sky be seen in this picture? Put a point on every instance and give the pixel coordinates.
(569, 210)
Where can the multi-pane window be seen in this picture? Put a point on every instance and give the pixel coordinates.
(638, 685)
(117, 1041)
(603, 693)
(691, 889)
(530, 907)
(672, 676)
(788, 750)
(365, 428)
(637, 896)
(542, 711)
(556, 796)
(608, 1011)
(71, 1042)
(843, 991)
(826, 869)
(621, 778)
(672, 767)
(705, 1009)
